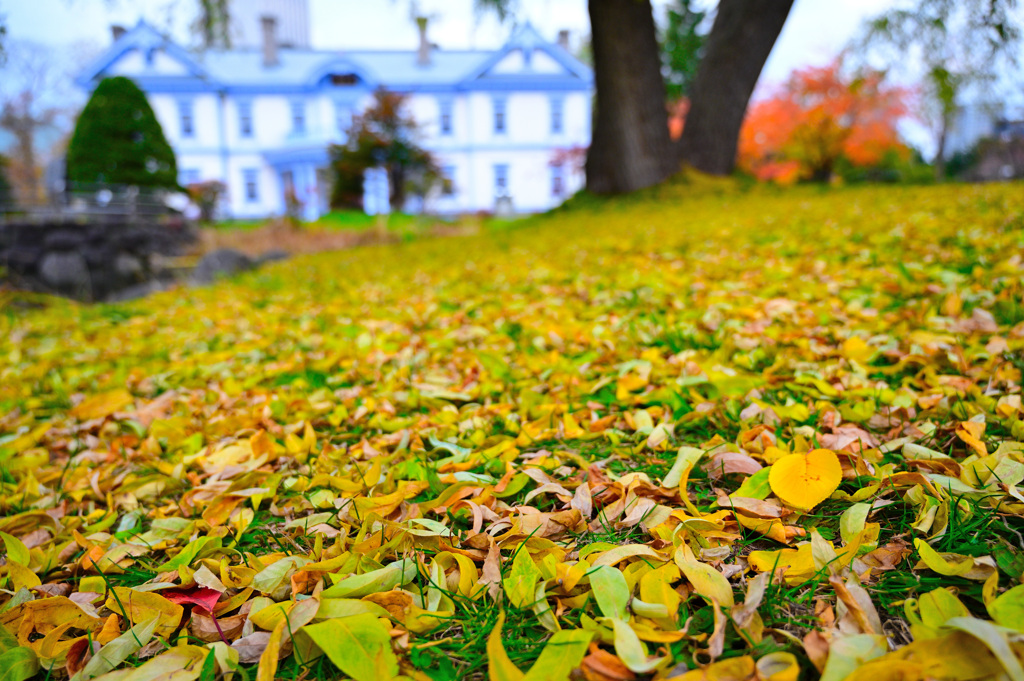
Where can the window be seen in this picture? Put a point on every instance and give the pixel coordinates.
(556, 116)
(188, 176)
(448, 181)
(245, 119)
(499, 116)
(188, 128)
(446, 118)
(557, 180)
(501, 179)
(342, 117)
(299, 118)
(343, 79)
(250, 178)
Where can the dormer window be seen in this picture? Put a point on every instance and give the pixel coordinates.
(343, 79)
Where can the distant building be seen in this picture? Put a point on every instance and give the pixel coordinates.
(261, 116)
(975, 122)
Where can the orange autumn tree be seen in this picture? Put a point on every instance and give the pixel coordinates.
(819, 116)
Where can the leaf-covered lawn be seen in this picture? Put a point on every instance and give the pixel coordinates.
(702, 434)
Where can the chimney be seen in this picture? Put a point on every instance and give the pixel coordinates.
(270, 57)
(423, 56)
(117, 31)
(563, 39)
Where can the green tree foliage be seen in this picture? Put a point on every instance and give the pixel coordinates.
(383, 135)
(119, 141)
(682, 45)
(960, 43)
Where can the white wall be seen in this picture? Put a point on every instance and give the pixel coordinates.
(205, 120)
(269, 200)
(208, 166)
(577, 119)
(472, 150)
(529, 181)
(527, 147)
(134, 62)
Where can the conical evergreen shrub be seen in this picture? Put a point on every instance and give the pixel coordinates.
(119, 141)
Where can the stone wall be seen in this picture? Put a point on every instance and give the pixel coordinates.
(101, 258)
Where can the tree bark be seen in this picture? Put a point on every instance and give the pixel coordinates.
(738, 46)
(630, 148)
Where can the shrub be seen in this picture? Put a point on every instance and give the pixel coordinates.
(383, 135)
(6, 193)
(822, 120)
(206, 195)
(118, 141)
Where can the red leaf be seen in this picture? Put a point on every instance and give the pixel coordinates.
(202, 596)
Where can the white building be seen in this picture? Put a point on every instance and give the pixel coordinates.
(976, 121)
(261, 116)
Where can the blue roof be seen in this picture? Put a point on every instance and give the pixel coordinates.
(304, 69)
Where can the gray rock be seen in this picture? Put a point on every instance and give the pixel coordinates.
(98, 255)
(21, 259)
(66, 239)
(66, 273)
(137, 291)
(275, 255)
(224, 262)
(128, 267)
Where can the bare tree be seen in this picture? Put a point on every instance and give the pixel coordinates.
(962, 45)
(213, 23)
(32, 101)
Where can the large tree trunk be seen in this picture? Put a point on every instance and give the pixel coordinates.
(738, 46)
(630, 148)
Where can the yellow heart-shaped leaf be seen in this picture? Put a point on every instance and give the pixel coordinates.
(805, 480)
